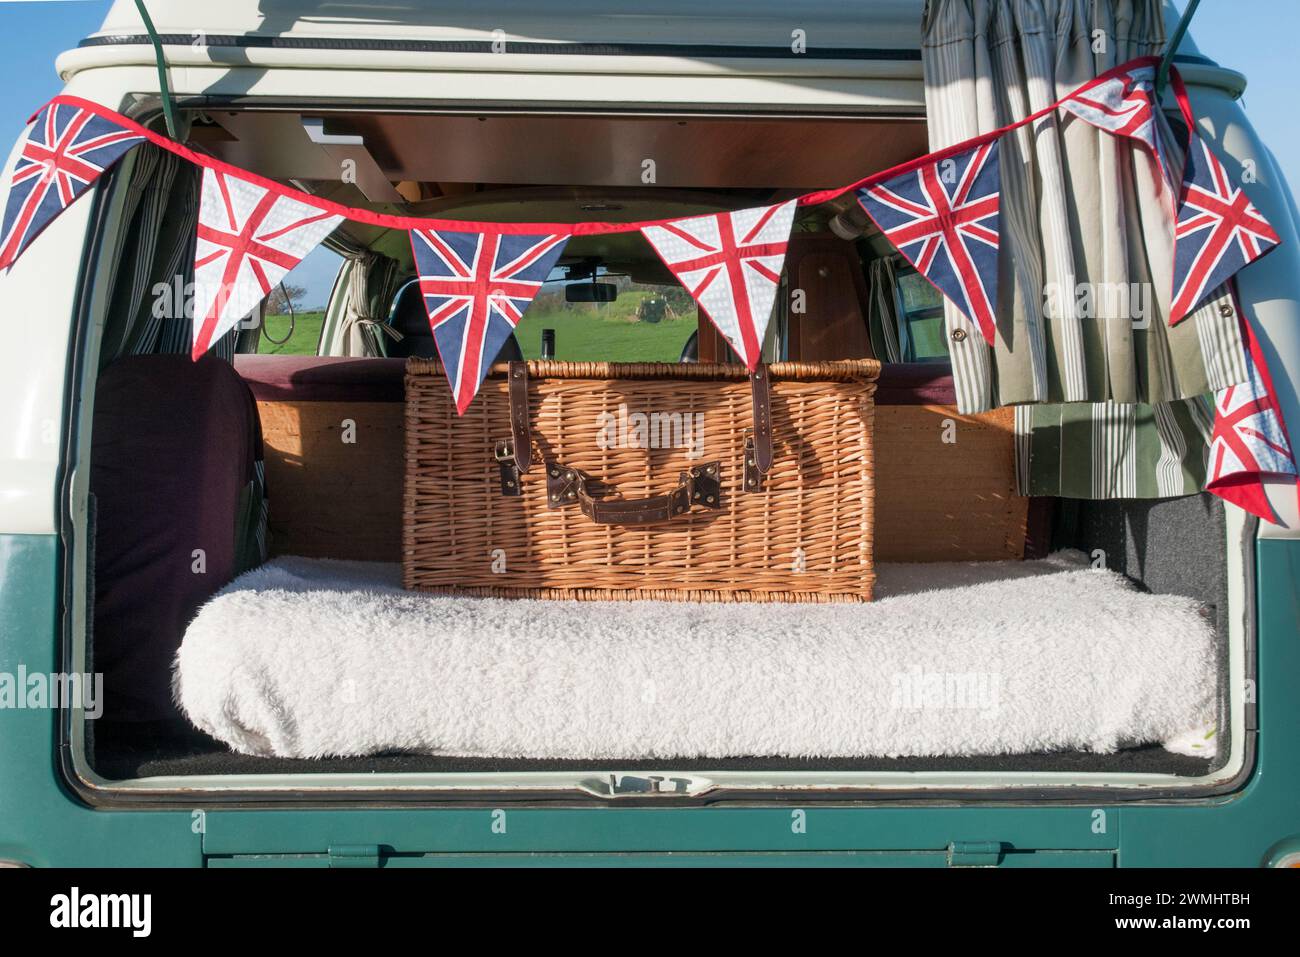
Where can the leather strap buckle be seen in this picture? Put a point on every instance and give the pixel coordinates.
(515, 455)
(520, 435)
(758, 440)
(509, 470)
(700, 486)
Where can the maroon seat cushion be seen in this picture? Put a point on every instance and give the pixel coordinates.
(915, 383)
(323, 378)
(173, 451)
(333, 379)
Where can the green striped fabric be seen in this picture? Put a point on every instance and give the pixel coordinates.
(887, 333)
(1110, 450)
(1109, 396)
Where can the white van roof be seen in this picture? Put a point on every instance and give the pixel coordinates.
(850, 29)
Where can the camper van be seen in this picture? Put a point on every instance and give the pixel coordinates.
(212, 657)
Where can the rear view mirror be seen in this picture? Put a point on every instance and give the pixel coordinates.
(590, 292)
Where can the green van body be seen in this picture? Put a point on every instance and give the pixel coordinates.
(43, 823)
(49, 816)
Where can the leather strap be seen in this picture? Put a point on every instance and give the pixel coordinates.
(762, 395)
(758, 444)
(515, 456)
(698, 486)
(520, 436)
(510, 484)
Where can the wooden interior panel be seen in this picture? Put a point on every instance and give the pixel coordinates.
(833, 324)
(711, 346)
(330, 498)
(579, 149)
(935, 501)
(939, 501)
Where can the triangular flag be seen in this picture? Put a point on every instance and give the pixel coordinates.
(731, 263)
(476, 286)
(66, 150)
(1218, 230)
(1250, 440)
(1119, 104)
(943, 217)
(1123, 104)
(249, 237)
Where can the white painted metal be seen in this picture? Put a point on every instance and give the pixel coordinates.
(38, 292)
(829, 23)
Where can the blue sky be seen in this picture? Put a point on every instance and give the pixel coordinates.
(32, 34)
(1257, 37)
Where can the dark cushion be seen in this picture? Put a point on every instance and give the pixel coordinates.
(323, 378)
(172, 459)
(331, 379)
(915, 383)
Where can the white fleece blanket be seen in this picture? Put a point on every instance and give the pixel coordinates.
(309, 658)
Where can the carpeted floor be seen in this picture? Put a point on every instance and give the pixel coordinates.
(124, 751)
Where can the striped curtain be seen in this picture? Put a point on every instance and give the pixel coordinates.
(888, 332)
(1098, 450)
(152, 281)
(144, 213)
(1086, 266)
(363, 327)
(150, 297)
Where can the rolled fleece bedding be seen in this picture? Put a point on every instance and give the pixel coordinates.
(312, 658)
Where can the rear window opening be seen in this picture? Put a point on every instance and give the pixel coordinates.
(285, 460)
(647, 322)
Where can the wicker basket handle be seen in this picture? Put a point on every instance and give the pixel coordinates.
(514, 456)
(698, 486)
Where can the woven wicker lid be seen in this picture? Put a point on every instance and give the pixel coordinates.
(847, 370)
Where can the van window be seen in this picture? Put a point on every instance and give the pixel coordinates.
(289, 326)
(647, 322)
(920, 310)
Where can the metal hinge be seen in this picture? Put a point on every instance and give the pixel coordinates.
(624, 785)
(975, 853)
(354, 855)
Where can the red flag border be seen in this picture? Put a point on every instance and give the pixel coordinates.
(413, 223)
(1246, 489)
(393, 221)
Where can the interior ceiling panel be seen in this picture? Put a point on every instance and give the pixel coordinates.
(584, 150)
(272, 144)
(705, 153)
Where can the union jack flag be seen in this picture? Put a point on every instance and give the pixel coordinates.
(1121, 104)
(476, 287)
(249, 237)
(1218, 230)
(731, 263)
(1249, 440)
(1124, 104)
(66, 150)
(943, 217)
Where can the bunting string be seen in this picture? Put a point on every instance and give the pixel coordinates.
(589, 228)
(942, 211)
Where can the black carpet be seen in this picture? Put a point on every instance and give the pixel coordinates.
(129, 751)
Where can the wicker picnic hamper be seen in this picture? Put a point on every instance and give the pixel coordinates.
(693, 482)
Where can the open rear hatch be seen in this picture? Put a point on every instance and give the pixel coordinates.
(1013, 584)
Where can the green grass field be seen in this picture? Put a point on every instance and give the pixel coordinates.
(605, 332)
(303, 342)
(608, 332)
(594, 338)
